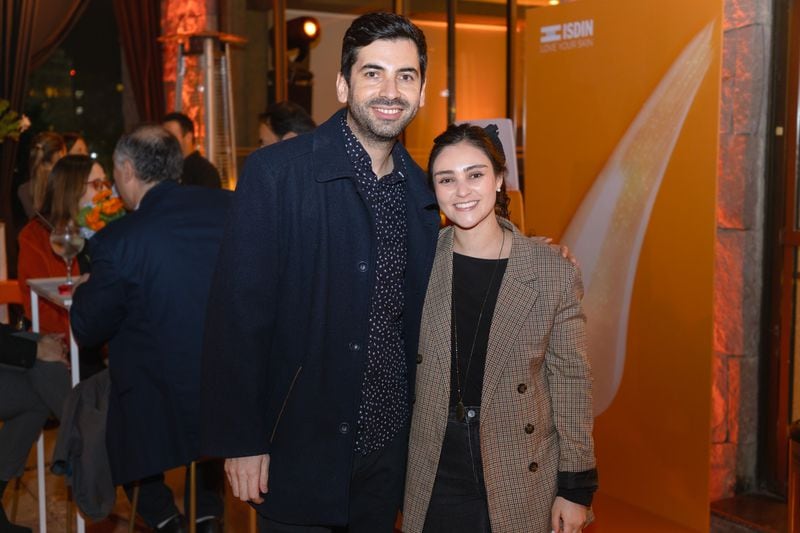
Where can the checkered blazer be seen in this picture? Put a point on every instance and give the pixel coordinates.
(536, 373)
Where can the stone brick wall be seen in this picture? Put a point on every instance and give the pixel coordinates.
(738, 269)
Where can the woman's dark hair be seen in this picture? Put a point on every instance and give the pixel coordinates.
(486, 141)
(372, 27)
(67, 185)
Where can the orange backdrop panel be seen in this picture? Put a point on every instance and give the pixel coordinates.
(581, 98)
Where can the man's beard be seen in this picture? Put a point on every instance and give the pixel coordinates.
(377, 130)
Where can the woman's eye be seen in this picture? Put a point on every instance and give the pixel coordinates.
(476, 175)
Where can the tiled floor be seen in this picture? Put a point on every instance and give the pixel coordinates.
(237, 514)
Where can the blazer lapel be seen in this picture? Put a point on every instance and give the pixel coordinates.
(436, 320)
(515, 301)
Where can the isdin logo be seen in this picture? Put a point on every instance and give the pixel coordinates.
(564, 32)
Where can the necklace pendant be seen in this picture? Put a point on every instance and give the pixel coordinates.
(460, 411)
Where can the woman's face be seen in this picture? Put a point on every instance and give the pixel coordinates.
(465, 185)
(95, 183)
(79, 148)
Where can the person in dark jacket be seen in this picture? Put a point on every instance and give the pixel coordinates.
(313, 318)
(146, 296)
(34, 381)
(197, 170)
(283, 120)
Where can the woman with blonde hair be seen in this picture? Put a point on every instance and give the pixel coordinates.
(46, 149)
(501, 433)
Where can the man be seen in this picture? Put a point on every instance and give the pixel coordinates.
(197, 170)
(146, 296)
(34, 381)
(314, 312)
(283, 120)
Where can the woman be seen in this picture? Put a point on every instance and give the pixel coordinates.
(73, 182)
(76, 144)
(501, 430)
(47, 148)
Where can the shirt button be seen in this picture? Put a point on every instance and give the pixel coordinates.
(344, 428)
(533, 467)
(419, 358)
(529, 428)
(354, 346)
(362, 266)
(521, 388)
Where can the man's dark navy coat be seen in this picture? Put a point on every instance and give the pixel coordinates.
(287, 324)
(147, 294)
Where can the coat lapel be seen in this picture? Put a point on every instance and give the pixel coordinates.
(515, 301)
(436, 322)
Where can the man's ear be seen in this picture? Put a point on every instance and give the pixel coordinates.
(422, 93)
(127, 171)
(342, 88)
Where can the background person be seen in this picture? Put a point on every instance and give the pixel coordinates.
(146, 296)
(501, 429)
(34, 381)
(72, 182)
(46, 149)
(283, 120)
(197, 170)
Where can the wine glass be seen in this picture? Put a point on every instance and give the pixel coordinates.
(67, 241)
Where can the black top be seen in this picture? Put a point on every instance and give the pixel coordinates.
(471, 281)
(197, 170)
(384, 409)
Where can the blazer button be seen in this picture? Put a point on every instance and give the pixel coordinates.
(533, 467)
(529, 428)
(344, 428)
(419, 358)
(362, 266)
(354, 346)
(521, 388)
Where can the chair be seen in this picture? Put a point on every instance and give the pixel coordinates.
(10, 292)
(516, 209)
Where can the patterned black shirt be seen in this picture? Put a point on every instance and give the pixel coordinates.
(384, 409)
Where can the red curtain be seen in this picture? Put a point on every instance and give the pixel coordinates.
(29, 32)
(139, 28)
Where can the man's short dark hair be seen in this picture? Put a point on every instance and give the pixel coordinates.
(285, 117)
(186, 124)
(153, 151)
(372, 27)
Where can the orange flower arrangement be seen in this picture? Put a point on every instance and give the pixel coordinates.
(103, 210)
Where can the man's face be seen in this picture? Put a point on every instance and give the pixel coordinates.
(185, 140)
(385, 91)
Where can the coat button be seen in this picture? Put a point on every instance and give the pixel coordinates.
(344, 428)
(533, 467)
(529, 428)
(362, 266)
(521, 388)
(354, 346)
(419, 358)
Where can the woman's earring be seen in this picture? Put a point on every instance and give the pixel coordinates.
(498, 189)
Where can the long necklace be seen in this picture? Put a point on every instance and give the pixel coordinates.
(460, 411)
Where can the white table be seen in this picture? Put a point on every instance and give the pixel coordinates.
(47, 288)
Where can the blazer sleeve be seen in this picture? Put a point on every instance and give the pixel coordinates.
(240, 319)
(98, 305)
(14, 350)
(570, 381)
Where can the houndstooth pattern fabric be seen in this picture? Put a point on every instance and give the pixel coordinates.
(536, 373)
